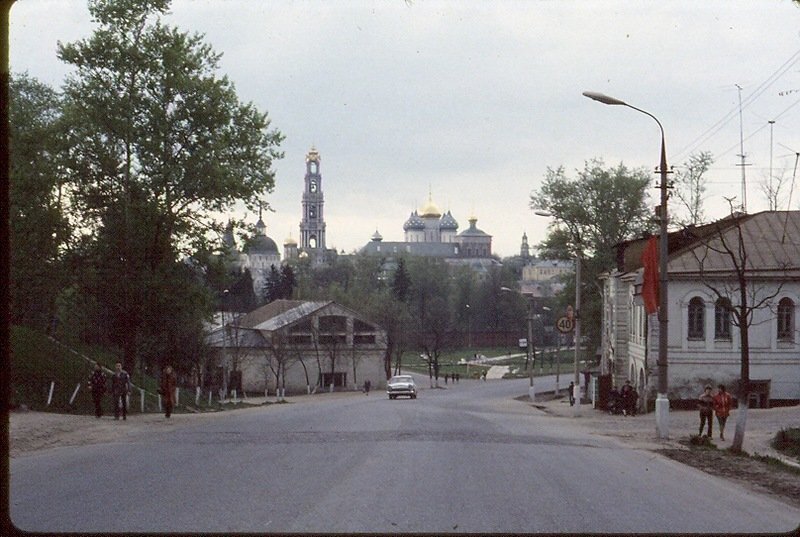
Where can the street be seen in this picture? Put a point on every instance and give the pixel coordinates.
(469, 458)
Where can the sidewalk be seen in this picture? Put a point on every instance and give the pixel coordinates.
(640, 430)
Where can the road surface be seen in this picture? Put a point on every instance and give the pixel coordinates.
(469, 458)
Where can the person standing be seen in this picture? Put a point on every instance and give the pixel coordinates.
(705, 404)
(120, 388)
(723, 402)
(571, 392)
(97, 385)
(167, 390)
(367, 386)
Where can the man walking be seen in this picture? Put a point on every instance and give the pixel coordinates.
(97, 385)
(120, 388)
(167, 390)
(723, 402)
(705, 405)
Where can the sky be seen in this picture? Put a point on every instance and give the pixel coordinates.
(470, 102)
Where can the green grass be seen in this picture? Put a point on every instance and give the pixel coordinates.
(36, 362)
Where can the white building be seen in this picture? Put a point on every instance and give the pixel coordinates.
(703, 340)
(308, 345)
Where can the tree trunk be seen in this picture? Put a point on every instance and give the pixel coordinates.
(741, 422)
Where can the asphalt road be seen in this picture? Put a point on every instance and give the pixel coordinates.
(464, 459)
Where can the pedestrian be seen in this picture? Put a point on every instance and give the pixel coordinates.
(458, 377)
(367, 386)
(628, 396)
(571, 392)
(705, 405)
(723, 402)
(120, 388)
(446, 376)
(97, 385)
(483, 376)
(167, 390)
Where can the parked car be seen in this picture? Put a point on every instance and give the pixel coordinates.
(401, 385)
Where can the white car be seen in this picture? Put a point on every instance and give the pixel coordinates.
(401, 385)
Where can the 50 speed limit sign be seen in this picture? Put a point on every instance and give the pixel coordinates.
(565, 325)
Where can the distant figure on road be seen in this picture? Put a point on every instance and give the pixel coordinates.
(723, 402)
(367, 386)
(97, 385)
(629, 396)
(120, 388)
(167, 390)
(458, 377)
(705, 404)
(483, 376)
(571, 392)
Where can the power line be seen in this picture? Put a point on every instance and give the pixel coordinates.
(749, 99)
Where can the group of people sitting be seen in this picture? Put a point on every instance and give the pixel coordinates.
(623, 401)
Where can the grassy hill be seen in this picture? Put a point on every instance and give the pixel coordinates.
(36, 362)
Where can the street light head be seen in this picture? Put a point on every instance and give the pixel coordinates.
(602, 98)
(543, 213)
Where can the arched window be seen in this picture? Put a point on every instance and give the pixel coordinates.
(786, 319)
(722, 319)
(697, 318)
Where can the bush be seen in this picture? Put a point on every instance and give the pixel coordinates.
(787, 441)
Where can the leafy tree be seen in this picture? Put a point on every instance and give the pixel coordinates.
(38, 224)
(591, 213)
(157, 143)
(401, 281)
(690, 187)
(272, 285)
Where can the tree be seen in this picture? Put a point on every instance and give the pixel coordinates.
(431, 310)
(591, 214)
(690, 187)
(157, 143)
(38, 223)
(726, 269)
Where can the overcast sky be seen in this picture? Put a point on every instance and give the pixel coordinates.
(472, 101)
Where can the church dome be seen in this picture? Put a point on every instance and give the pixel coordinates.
(290, 242)
(414, 222)
(430, 210)
(261, 244)
(448, 222)
(377, 237)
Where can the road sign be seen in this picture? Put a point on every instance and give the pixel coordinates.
(565, 325)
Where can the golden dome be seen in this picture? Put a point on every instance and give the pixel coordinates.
(290, 241)
(430, 210)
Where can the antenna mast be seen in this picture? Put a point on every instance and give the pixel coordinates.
(741, 153)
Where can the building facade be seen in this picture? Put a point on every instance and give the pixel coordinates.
(704, 341)
(301, 347)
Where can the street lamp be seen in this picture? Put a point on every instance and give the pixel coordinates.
(530, 351)
(578, 257)
(662, 401)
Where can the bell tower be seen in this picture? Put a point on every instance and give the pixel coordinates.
(312, 225)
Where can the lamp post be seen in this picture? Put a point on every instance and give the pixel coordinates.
(576, 408)
(662, 401)
(531, 351)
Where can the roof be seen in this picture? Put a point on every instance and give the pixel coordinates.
(772, 239)
(279, 313)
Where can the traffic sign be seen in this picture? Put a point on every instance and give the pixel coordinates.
(565, 325)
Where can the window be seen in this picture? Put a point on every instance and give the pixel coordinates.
(722, 319)
(697, 318)
(786, 320)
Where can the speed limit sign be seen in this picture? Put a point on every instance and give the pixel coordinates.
(565, 325)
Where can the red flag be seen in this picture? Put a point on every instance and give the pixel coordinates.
(650, 257)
